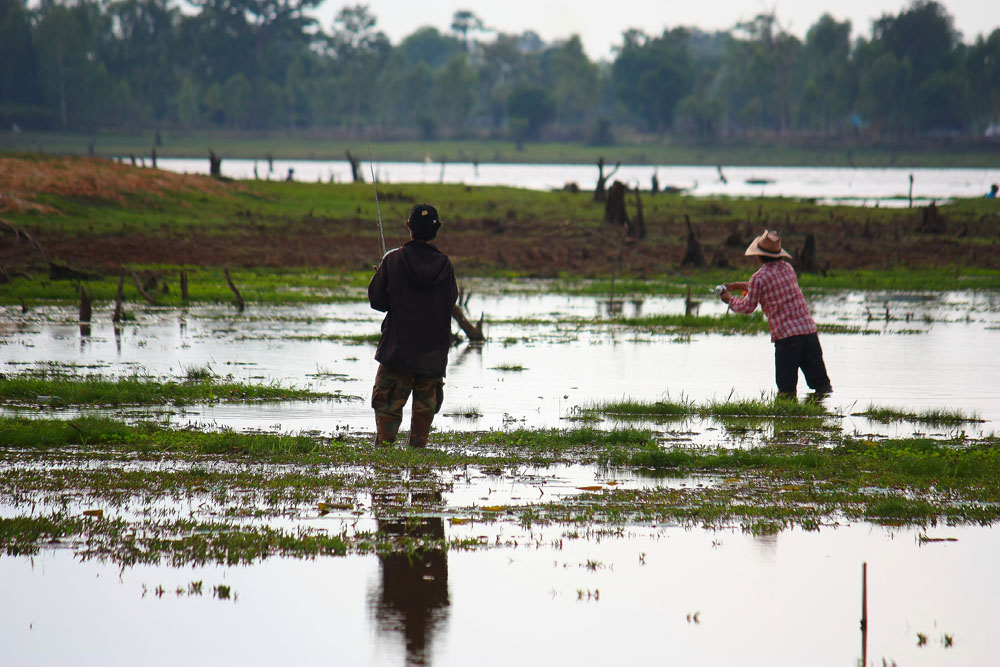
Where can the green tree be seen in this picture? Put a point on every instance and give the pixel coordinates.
(74, 82)
(258, 38)
(573, 81)
(982, 65)
(188, 103)
(761, 73)
(455, 92)
(652, 75)
(18, 63)
(826, 95)
(141, 51)
(236, 96)
(464, 23)
(359, 52)
(530, 108)
(429, 46)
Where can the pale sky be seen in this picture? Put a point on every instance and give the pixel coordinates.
(600, 24)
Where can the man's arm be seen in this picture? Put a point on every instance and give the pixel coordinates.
(749, 302)
(378, 288)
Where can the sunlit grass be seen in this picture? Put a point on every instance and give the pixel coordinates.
(931, 416)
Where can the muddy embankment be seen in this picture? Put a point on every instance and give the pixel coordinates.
(53, 199)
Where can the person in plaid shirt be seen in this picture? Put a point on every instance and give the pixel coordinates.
(793, 331)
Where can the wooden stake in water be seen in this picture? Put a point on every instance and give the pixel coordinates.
(864, 614)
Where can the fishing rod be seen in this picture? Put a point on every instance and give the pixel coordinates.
(378, 212)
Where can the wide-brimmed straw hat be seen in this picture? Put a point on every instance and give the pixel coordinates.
(767, 244)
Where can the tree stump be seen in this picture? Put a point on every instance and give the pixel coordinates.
(600, 192)
(806, 257)
(693, 255)
(240, 304)
(214, 164)
(355, 167)
(85, 305)
(116, 317)
(615, 212)
(933, 222)
(473, 331)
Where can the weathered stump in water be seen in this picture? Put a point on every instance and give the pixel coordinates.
(693, 255)
(85, 305)
(355, 167)
(116, 317)
(240, 304)
(214, 164)
(142, 290)
(600, 192)
(473, 331)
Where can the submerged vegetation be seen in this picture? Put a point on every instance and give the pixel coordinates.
(773, 407)
(106, 492)
(932, 416)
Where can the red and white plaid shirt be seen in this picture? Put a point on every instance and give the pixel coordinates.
(776, 289)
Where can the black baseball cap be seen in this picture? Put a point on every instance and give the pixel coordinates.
(424, 222)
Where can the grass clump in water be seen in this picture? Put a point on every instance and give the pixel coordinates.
(762, 407)
(628, 407)
(512, 368)
(44, 388)
(933, 416)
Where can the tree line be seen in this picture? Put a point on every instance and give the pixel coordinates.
(84, 65)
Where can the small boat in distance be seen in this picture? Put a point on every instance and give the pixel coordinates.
(759, 181)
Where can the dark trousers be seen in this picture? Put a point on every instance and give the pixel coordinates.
(795, 352)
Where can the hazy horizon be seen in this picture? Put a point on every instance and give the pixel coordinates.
(600, 25)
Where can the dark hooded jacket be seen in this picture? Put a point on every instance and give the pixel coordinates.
(415, 287)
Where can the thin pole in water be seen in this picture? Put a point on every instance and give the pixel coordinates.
(378, 212)
(864, 614)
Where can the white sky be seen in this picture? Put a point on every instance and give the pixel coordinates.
(600, 24)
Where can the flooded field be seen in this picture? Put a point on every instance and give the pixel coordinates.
(519, 581)
(546, 355)
(859, 186)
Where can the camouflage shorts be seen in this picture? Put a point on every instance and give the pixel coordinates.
(392, 389)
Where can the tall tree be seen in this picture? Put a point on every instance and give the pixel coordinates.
(18, 62)
(258, 38)
(651, 75)
(359, 50)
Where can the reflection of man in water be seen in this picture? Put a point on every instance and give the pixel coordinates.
(413, 599)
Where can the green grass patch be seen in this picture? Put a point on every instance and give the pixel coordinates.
(52, 389)
(931, 416)
(508, 367)
(763, 407)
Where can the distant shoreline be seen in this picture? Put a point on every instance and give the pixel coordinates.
(765, 151)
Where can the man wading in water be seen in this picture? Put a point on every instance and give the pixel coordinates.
(415, 287)
(793, 331)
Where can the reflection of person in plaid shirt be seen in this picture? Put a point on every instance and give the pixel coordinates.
(793, 331)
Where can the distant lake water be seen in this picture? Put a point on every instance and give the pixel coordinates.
(859, 186)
